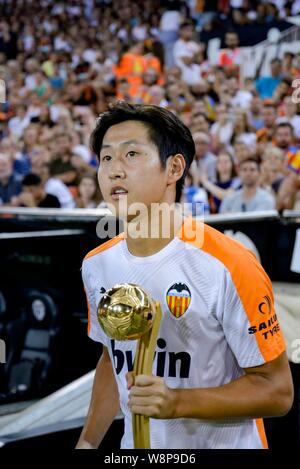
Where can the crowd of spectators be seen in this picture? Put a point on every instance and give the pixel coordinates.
(63, 63)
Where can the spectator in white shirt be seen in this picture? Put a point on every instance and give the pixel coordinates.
(168, 31)
(239, 97)
(31, 67)
(54, 186)
(184, 52)
(19, 123)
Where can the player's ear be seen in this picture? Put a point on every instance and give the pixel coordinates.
(176, 167)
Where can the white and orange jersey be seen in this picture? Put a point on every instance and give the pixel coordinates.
(218, 318)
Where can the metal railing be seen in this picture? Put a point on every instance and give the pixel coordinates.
(289, 35)
(96, 214)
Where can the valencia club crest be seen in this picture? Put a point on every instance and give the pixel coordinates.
(178, 299)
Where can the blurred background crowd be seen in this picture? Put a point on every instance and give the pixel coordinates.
(63, 63)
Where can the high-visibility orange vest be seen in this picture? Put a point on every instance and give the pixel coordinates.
(132, 67)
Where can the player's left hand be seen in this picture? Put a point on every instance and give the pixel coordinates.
(150, 396)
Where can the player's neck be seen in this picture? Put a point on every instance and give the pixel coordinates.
(156, 231)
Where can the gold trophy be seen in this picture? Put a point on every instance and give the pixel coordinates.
(127, 312)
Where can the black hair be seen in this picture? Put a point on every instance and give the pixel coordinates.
(270, 105)
(288, 54)
(286, 80)
(31, 179)
(250, 160)
(276, 60)
(285, 124)
(165, 130)
(231, 31)
(186, 24)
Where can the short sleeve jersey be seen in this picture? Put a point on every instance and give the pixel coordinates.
(218, 318)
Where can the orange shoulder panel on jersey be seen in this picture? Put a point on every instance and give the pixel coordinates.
(245, 270)
(108, 244)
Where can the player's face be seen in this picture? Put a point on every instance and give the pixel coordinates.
(130, 167)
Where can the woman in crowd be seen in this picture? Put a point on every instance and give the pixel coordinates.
(226, 182)
(242, 129)
(88, 192)
(272, 168)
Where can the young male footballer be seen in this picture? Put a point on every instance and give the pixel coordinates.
(220, 362)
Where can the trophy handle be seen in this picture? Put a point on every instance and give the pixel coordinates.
(143, 365)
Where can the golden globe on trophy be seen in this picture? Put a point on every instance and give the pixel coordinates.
(127, 312)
